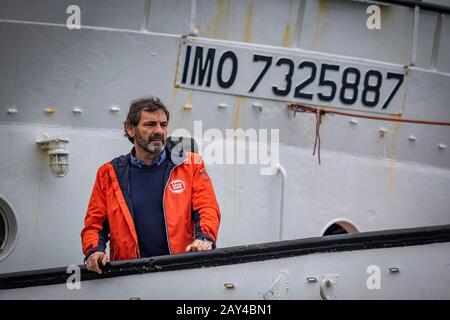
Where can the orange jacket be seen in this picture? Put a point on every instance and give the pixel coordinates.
(190, 207)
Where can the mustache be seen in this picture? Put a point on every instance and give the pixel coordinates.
(156, 137)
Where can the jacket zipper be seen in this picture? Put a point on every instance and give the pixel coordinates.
(164, 208)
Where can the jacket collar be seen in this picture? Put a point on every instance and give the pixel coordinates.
(141, 164)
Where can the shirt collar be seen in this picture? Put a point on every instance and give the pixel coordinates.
(141, 164)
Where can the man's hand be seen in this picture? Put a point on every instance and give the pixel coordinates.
(94, 259)
(199, 245)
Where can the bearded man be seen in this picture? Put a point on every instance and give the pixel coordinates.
(156, 200)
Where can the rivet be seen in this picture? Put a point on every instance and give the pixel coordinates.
(382, 131)
(228, 285)
(311, 279)
(354, 121)
(193, 33)
(394, 270)
(114, 108)
(187, 106)
(412, 138)
(257, 106)
(12, 111)
(442, 146)
(77, 110)
(223, 105)
(49, 110)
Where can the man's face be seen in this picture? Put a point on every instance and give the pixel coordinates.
(151, 132)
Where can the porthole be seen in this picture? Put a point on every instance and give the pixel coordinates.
(8, 229)
(339, 226)
(3, 231)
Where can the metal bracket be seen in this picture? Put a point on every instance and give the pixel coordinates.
(279, 288)
(328, 286)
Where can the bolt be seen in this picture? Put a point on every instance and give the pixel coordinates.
(311, 279)
(382, 132)
(229, 285)
(114, 108)
(257, 106)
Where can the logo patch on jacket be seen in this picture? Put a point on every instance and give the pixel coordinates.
(177, 186)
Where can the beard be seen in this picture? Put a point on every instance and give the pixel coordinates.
(145, 143)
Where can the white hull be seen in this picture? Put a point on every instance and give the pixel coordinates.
(374, 266)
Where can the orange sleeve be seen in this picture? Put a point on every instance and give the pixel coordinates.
(206, 213)
(93, 235)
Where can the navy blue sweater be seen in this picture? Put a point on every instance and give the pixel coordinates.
(146, 184)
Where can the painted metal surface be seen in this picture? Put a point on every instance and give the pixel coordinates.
(349, 271)
(88, 77)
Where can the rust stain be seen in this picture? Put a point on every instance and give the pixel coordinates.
(177, 66)
(393, 155)
(219, 28)
(323, 6)
(287, 32)
(311, 127)
(227, 17)
(237, 111)
(385, 14)
(217, 20)
(287, 36)
(188, 100)
(391, 51)
(239, 101)
(183, 112)
(173, 98)
(405, 92)
(248, 28)
(321, 24)
(173, 101)
(201, 31)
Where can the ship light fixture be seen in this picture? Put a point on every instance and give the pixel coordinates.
(58, 155)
